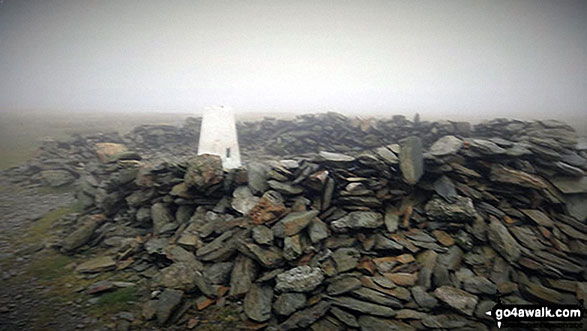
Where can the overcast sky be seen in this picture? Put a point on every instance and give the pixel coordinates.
(434, 57)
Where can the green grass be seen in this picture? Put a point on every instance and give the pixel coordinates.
(40, 231)
(50, 267)
(116, 301)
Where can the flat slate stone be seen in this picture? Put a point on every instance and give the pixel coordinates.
(257, 303)
(539, 217)
(362, 306)
(457, 299)
(570, 185)
(446, 145)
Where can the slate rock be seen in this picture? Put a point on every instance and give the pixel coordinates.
(304, 318)
(257, 177)
(168, 301)
(411, 160)
(345, 317)
(460, 209)
(371, 323)
(343, 285)
(204, 171)
(243, 200)
(262, 235)
(346, 259)
(288, 303)
(317, 230)
(97, 264)
(242, 275)
(81, 235)
(446, 145)
(257, 303)
(299, 279)
(357, 220)
(423, 298)
(362, 306)
(502, 241)
(293, 223)
(57, 178)
(458, 299)
(161, 216)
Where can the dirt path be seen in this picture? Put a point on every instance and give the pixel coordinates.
(25, 303)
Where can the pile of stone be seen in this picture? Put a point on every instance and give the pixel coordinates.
(335, 132)
(59, 163)
(394, 236)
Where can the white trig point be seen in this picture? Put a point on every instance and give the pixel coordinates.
(218, 136)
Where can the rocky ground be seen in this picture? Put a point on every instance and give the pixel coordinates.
(25, 303)
(333, 223)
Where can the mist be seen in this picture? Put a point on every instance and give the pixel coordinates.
(449, 58)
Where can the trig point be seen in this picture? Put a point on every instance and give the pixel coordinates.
(218, 136)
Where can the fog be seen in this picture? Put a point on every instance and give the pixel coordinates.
(438, 58)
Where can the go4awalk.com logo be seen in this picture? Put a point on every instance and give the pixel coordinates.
(509, 315)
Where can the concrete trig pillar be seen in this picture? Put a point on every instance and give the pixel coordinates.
(218, 136)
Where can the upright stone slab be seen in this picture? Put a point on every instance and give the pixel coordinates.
(411, 161)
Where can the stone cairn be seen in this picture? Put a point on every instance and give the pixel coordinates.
(373, 225)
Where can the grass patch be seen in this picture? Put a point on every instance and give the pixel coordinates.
(50, 267)
(116, 301)
(40, 230)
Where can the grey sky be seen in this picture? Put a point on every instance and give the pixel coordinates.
(435, 57)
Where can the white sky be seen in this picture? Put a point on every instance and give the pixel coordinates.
(435, 57)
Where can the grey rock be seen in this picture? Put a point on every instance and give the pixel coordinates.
(486, 147)
(270, 257)
(160, 216)
(377, 297)
(168, 301)
(304, 318)
(257, 303)
(292, 247)
(391, 219)
(502, 241)
(219, 273)
(357, 220)
(362, 306)
(343, 285)
(203, 172)
(285, 188)
(262, 235)
(445, 321)
(371, 323)
(299, 279)
(81, 235)
(570, 185)
(257, 177)
(479, 285)
(243, 200)
(461, 209)
(345, 317)
(317, 230)
(346, 259)
(387, 155)
(446, 145)
(293, 223)
(242, 275)
(444, 187)
(423, 298)
(288, 303)
(336, 157)
(539, 217)
(57, 178)
(411, 160)
(458, 299)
